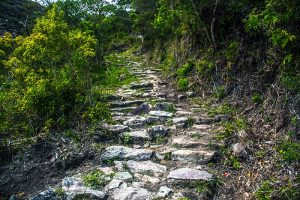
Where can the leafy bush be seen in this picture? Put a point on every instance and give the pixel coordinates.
(51, 72)
(290, 151)
(220, 92)
(204, 68)
(183, 84)
(185, 69)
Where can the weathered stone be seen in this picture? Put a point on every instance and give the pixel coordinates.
(239, 150)
(122, 104)
(138, 184)
(114, 184)
(197, 156)
(142, 109)
(189, 174)
(135, 137)
(165, 106)
(135, 122)
(87, 194)
(117, 129)
(72, 184)
(121, 118)
(163, 192)
(161, 113)
(125, 153)
(131, 193)
(46, 195)
(75, 189)
(184, 113)
(180, 121)
(124, 176)
(154, 119)
(141, 85)
(201, 127)
(157, 131)
(186, 141)
(147, 179)
(145, 167)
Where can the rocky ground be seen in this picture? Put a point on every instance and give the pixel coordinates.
(165, 148)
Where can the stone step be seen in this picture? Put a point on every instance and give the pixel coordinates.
(135, 137)
(116, 129)
(123, 109)
(125, 153)
(194, 156)
(189, 141)
(122, 104)
(189, 174)
(161, 114)
(141, 85)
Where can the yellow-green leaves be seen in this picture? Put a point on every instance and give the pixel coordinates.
(48, 71)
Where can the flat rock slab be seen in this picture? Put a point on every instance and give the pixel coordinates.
(131, 193)
(135, 137)
(125, 153)
(141, 85)
(158, 131)
(184, 113)
(145, 167)
(116, 128)
(190, 174)
(45, 195)
(147, 179)
(202, 127)
(114, 184)
(160, 113)
(180, 121)
(135, 122)
(74, 188)
(163, 192)
(125, 103)
(124, 176)
(197, 156)
(186, 141)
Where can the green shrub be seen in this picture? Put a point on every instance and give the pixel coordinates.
(290, 151)
(183, 84)
(185, 69)
(204, 68)
(219, 92)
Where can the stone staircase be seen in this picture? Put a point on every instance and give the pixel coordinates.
(165, 145)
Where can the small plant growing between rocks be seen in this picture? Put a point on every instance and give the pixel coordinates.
(127, 138)
(168, 156)
(257, 98)
(60, 192)
(183, 84)
(233, 162)
(160, 140)
(95, 179)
